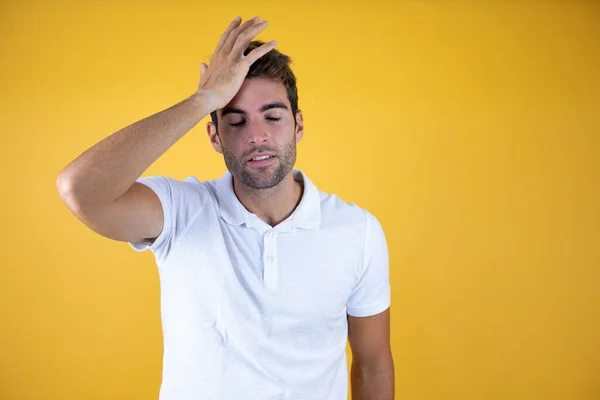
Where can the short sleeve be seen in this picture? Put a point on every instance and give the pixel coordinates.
(181, 202)
(372, 294)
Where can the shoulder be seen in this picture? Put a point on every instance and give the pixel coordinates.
(336, 211)
(189, 186)
(183, 198)
(359, 229)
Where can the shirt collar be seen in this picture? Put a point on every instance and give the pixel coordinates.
(307, 214)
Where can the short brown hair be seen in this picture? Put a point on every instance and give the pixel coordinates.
(274, 65)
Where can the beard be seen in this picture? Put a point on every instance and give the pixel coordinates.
(263, 177)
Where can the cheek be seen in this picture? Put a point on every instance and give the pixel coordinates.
(284, 132)
(229, 140)
(230, 147)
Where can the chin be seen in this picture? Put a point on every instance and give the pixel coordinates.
(261, 179)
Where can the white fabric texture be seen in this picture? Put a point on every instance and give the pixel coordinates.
(251, 311)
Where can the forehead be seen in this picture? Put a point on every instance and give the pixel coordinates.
(256, 92)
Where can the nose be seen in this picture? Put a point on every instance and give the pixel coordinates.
(258, 133)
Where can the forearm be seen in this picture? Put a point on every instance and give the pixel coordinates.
(373, 382)
(105, 171)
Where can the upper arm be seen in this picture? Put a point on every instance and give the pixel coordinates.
(135, 216)
(372, 292)
(369, 337)
(368, 307)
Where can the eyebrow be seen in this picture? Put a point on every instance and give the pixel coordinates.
(269, 106)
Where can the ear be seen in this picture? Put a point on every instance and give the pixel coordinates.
(299, 126)
(215, 140)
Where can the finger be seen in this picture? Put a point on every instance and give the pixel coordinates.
(260, 51)
(203, 68)
(234, 24)
(246, 26)
(244, 39)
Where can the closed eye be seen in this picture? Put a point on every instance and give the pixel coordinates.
(242, 122)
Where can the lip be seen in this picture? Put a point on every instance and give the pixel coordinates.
(261, 163)
(260, 155)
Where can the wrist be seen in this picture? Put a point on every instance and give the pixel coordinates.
(205, 100)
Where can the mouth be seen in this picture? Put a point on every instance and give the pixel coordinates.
(260, 160)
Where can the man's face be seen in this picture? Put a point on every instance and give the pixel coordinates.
(256, 134)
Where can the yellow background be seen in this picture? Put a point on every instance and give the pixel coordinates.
(470, 129)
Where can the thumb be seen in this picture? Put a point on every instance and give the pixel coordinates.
(203, 68)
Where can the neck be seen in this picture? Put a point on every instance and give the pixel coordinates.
(272, 205)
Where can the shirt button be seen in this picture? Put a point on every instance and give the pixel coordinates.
(269, 258)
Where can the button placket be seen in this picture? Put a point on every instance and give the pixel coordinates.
(270, 261)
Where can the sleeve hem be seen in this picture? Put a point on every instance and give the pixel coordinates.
(162, 237)
(369, 311)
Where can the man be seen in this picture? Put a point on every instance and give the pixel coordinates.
(263, 276)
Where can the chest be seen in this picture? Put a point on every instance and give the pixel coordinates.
(281, 284)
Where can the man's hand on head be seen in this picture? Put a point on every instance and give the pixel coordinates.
(228, 67)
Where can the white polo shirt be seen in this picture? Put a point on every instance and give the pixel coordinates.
(255, 312)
